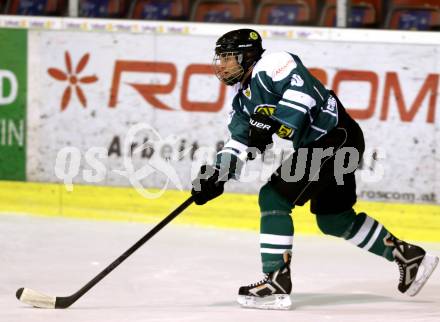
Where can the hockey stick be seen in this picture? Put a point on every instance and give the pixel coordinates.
(41, 300)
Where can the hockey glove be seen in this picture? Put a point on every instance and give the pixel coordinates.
(261, 129)
(207, 186)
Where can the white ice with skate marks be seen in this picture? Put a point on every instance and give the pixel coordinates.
(193, 274)
(271, 302)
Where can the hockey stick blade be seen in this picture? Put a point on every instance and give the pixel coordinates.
(43, 301)
(36, 299)
(40, 300)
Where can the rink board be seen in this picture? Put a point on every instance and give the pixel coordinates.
(129, 75)
(392, 91)
(237, 211)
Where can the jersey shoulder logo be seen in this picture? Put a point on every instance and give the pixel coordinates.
(296, 80)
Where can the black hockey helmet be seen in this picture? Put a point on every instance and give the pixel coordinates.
(243, 44)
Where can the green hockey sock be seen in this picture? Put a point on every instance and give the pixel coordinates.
(360, 230)
(276, 228)
(371, 235)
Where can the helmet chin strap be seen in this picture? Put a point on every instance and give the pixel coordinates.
(246, 75)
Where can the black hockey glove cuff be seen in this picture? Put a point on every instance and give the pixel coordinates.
(207, 185)
(229, 164)
(261, 129)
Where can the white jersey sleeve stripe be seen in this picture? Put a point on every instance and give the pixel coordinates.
(296, 107)
(233, 152)
(332, 114)
(236, 145)
(299, 97)
(318, 129)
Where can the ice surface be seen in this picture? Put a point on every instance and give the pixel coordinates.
(193, 274)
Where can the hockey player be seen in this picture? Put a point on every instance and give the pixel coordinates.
(276, 94)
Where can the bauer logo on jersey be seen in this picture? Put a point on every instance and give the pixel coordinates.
(264, 109)
(285, 132)
(296, 80)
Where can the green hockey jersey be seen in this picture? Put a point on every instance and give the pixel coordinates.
(282, 87)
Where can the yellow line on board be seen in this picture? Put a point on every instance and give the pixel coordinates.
(238, 211)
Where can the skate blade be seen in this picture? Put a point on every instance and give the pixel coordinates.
(271, 302)
(428, 264)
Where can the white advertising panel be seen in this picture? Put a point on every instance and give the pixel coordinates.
(96, 101)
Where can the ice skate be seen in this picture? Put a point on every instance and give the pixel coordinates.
(272, 292)
(415, 266)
